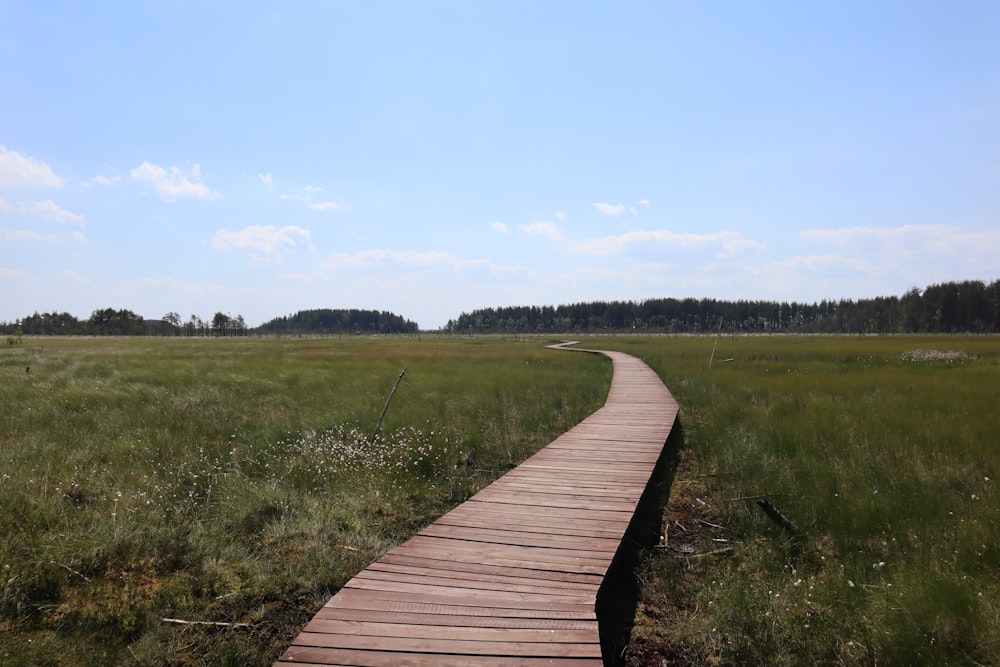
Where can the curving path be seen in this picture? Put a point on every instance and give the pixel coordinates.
(511, 576)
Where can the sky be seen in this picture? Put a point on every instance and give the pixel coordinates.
(431, 158)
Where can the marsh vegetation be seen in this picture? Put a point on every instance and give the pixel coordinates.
(234, 482)
(882, 453)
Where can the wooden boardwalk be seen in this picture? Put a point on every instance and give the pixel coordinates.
(511, 576)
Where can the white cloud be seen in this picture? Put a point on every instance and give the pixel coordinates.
(500, 227)
(102, 180)
(10, 276)
(326, 206)
(27, 235)
(728, 243)
(46, 237)
(265, 244)
(644, 202)
(560, 215)
(173, 183)
(18, 170)
(815, 263)
(311, 189)
(411, 259)
(51, 211)
(609, 209)
(851, 235)
(919, 249)
(983, 242)
(546, 229)
(266, 179)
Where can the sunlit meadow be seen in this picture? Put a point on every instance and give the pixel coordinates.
(883, 454)
(234, 485)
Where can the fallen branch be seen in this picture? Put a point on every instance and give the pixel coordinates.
(738, 499)
(776, 516)
(216, 624)
(711, 553)
(710, 524)
(69, 569)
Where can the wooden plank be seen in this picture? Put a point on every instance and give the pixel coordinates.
(455, 646)
(311, 656)
(454, 620)
(461, 633)
(473, 587)
(349, 598)
(471, 568)
(497, 575)
(511, 576)
(523, 539)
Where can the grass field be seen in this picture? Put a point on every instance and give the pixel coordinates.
(233, 481)
(883, 454)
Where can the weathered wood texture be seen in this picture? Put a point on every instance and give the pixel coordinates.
(511, 576)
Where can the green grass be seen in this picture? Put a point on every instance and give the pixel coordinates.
(233, 481)
(887, 466)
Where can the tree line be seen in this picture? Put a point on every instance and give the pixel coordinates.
(954, 307)
(339, 321)
(124, 322)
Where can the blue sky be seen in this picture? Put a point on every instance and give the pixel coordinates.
(431, 158)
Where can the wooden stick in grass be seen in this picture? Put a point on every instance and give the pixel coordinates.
(776, 516)
(386, 408)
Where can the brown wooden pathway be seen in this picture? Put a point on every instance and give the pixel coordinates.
(511, 576)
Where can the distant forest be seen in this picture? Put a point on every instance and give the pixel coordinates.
(111, 322)
(338, 321)
(955, 307)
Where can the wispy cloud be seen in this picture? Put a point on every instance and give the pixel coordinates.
(266, 179)
(852, 235)
(9, 276)
(500, 227)
(909, 246)
(20, 171)
(727, 243)
(413, 260)
(265, 244)
(49, 210)
(560, 215)
(546, 229)
(46, 210)
(818, 263)
(102, 180)
(326, 206)
(45, 237)
(609, 209)
(27, 235)
(634, 210)
(173, 183)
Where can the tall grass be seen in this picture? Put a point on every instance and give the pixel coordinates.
(235, 481)
(885, 461)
